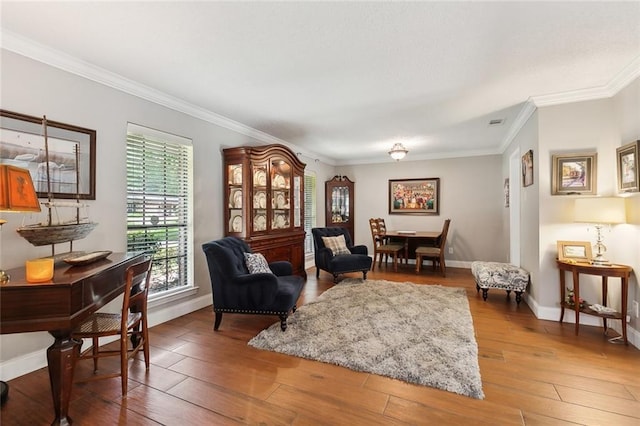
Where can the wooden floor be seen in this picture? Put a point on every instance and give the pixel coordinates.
(533, 373)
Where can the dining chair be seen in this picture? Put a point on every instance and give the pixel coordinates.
(435, 254)
(381, 246)
(130, 325)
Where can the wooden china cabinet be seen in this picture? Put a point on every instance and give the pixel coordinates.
(264, 201)
(339, 195)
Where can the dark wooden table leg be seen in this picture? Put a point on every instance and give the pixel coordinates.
(61, 359)
(576, 298)
(562, 287)
(625, 288)
(604, 302)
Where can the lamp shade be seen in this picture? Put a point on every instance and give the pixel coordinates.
(600, 210)
(17, 192)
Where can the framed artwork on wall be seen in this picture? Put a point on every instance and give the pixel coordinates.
(527, 168)
(414, 196)
(70, 148)
(574, 174)
(506, 192)
(627, 161)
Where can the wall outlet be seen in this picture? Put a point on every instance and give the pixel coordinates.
(450, 250)
(636, 309)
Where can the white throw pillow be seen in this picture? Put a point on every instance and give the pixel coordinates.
(257, 264)
(336, 244)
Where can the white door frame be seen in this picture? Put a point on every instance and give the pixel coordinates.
(515, 175)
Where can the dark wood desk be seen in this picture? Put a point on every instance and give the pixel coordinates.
(411, 240)
(58, 306)
(619, 271)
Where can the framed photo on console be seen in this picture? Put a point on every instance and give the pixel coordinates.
(574, 251)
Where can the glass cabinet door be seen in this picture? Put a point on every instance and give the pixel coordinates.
(339, 193)
(235, 198)
(340, 204)
(259, 197)
(297, 196)
(280, 194)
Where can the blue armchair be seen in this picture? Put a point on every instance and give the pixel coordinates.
(235, 290)
(356, 259)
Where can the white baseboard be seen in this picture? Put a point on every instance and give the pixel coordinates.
(27, 363)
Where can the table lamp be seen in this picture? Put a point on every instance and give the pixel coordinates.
(600, 211)
(17, 194)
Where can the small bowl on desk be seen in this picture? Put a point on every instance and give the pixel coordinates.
(39, 270)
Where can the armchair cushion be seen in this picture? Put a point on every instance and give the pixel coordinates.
(256, 263)
(337, 245)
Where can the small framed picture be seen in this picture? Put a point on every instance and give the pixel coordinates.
(574, 251)
(527, 168)
(627, 159)
(506, 192)
(574, 174)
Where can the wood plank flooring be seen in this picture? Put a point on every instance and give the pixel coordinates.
(533, 373)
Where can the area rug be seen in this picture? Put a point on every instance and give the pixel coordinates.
(421, 334)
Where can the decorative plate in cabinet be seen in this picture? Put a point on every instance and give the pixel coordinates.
(237, 199)
(279, 181)
(260, 223)
(236, 224)
(237, 175)
(260, 200)
(260, 178)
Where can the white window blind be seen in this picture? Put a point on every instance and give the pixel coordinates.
(309, 211)
(159, 204)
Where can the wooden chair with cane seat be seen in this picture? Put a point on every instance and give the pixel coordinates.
(382, 229)
(435, 254)
(382, 247)
(130, 325)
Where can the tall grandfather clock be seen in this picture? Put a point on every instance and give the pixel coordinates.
(339, 196)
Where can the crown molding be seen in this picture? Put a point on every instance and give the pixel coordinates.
(523, 116)
(617, 83)
(23, 46)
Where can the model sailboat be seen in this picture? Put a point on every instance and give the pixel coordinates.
(58, 231)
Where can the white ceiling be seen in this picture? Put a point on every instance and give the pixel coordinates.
(345, 80)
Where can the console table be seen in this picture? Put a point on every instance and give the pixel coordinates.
(58, 306)
(605, 271)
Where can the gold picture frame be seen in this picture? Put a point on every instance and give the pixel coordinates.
(574, 251)
(574, 174)
(627, 162)
(414, 196)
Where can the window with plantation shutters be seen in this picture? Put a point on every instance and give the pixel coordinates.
(159, 201)
(309, 211)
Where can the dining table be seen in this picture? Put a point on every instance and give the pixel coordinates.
(412, 239)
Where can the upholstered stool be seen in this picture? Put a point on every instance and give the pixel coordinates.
(500, 275)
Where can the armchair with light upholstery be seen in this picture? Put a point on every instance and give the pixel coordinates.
(353, 259)
(235, 290)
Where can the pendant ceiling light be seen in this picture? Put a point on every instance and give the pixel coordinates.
(398, 152)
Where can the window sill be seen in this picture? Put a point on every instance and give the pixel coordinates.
(171, 296)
